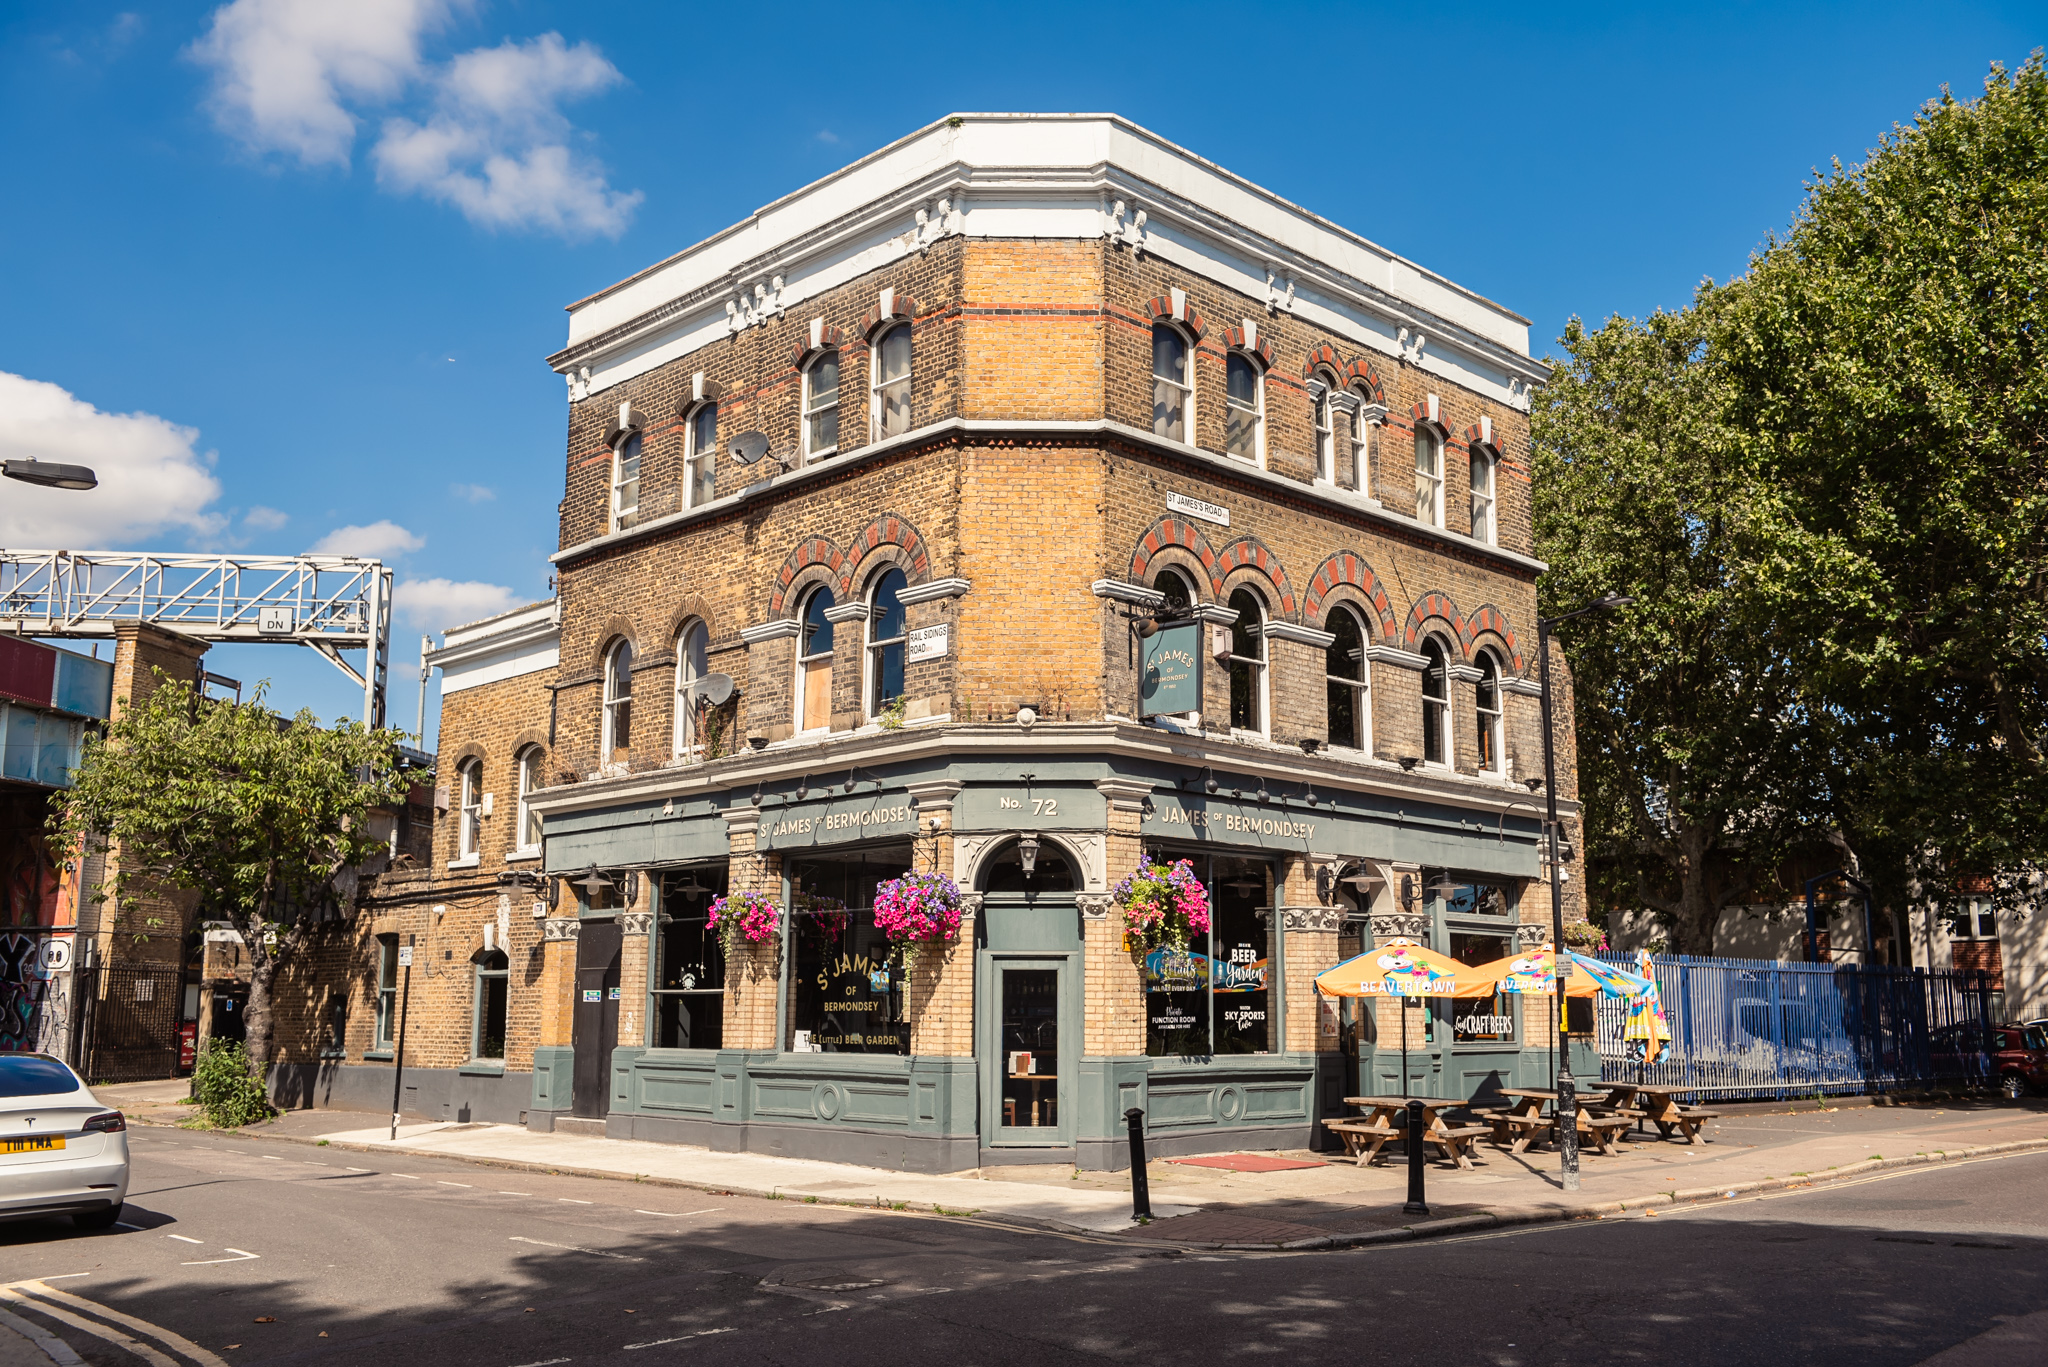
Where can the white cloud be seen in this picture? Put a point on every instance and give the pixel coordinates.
(497, 144)
(380, 540)
(282, 68)
(152, 481)
(437, 604)
(262, 519)
(473, 493)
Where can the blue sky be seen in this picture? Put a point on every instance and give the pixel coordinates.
(285, 271)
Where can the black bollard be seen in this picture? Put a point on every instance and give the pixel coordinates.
(1141, 1190)
(1416, 1205)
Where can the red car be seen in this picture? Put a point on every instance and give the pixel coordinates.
(2020, 1061)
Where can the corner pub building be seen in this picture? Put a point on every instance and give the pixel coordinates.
(867, 500)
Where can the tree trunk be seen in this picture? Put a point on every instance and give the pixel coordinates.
(1699, 912)
(257, 1021)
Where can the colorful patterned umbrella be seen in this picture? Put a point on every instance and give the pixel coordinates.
(1615, 982)
(1532, 973)
(1398, 968)
(1646, 1019)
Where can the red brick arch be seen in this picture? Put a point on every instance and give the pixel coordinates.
(1234, 338)
(1161, 310)
(1251, 553)
(813, 550)
(1323, 357)
(829, 339)
(1174, 531)
(1349, 567)
(1360, 372)
(1490, 620)
(892, 531)
(1428, 608)
(905, 309)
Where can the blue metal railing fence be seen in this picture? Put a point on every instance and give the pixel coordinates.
(1755, 1028)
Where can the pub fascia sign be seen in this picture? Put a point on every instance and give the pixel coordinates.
(1228, 821)
(826, 823)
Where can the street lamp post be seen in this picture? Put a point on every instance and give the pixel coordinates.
(1567, 1085)
(49, 474)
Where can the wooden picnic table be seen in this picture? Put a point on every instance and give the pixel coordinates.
(1661, 1107)
(1365, 1138)
(1524, 1122)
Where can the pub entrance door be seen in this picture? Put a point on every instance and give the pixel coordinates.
(595, 1022)
(1027, 987)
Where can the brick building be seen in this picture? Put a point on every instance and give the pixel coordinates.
(866, 500)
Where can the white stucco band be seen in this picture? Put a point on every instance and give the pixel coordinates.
(1073, 176)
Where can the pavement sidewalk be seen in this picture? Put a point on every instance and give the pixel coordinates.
(1319, 1204)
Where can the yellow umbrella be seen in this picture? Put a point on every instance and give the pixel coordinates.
(1398, 968)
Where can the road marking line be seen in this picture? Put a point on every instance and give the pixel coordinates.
(406, 1175)
(544, 1362)
(656, 1343)
(204, 1262)
(593, 1252)
(176, 1342)
(101, 1331)
(520, 1193)
(273, 1158)
(679, 1214)
(440, 1183)
(183, 1239)
(572, 1201)
(54, 1348)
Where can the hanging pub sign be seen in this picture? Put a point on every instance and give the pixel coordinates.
(1170, 671)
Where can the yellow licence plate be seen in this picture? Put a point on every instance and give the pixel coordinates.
(36, 1144)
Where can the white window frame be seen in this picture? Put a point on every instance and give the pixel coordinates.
(689, 746)
(384, 1023)
(1361, 686)
(1485, 502)
(479, 975)
(615, 701)
(1261, 675)
(1490, 725)
(526, 767)
(1323, 416)
(1442, 706)
(813, 409)
(1186, 387)
(876, 384)
(692, 456)
(806, 663)
(469, 809)
(622, 511)
(871, 648)
(1363, 421)
(1970, 930)
(1429, 484)
(1257, 411)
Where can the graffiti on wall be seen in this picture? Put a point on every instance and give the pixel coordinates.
(25, 996)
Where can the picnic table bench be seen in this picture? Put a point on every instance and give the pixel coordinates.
(1661, 1107)
(1362, 1139)
(1455, 1141)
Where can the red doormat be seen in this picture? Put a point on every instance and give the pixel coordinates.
(1246, 1162)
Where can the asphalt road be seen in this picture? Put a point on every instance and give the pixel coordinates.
(263, 1252)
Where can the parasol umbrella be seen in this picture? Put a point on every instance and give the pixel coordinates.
(1646, 1019)
(1398, 968)
(1532, 974)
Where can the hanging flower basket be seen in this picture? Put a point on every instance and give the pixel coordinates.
(918, 909)
(826, 916)
(1162, 904)
(744, 918)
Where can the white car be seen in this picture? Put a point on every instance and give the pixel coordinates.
(61, 1152)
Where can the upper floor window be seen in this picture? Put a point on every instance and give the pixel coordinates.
(814, 664)
(1358, 433)
(625, 479)
(1173, 388)
(1492, 751)
(1245, 397)
(891, 400)
(469, 809)
(617, 740)
(700, 460)
(692, 649)
(1345, 681)
(1248, 662)
(1482, 495)
(1429, 477)
(821, 406)
(531, 780)
(1436, 703)
(885, 642)
(1179, 593)
(1326, 433)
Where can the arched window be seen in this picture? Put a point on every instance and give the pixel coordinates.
(1492, 752)
(890, 402)
(885, 642)
(700, 460)
(1345, 677)
(1482, 495)
(487, 1018)
(1436, 703)
(1429, 477)
(1173, 384)
(531, 780)
(1245, 397)
(1364, 418)
(814, 664)
(469, 808)
(1248, 663)
(1180, 594)
(1324, 410)
(618, 705)
(821, 406)
(625, 479)
(692, 645)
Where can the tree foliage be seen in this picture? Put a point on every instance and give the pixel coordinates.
(264, 816)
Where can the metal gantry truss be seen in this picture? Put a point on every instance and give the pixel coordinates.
(329, 602)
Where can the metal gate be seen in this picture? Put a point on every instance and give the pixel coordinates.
(131, 1021)
(1763, 1029)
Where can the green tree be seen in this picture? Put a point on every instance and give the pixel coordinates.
(264, 816)
(1886, 369)
(1696, 745)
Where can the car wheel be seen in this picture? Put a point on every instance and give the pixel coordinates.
(2012, 1086)
(97, 1219)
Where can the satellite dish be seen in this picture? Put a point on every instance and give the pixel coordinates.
(749, 447)
(713, 688)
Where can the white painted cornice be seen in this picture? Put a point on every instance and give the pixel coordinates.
(1137, 595)
(1393, 655)
(933, 591)
(782, 628)
(1307, 636)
